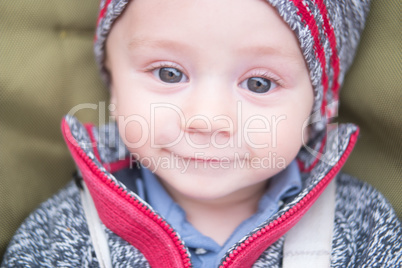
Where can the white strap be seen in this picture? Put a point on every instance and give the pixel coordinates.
(308, 244)
(97, 233)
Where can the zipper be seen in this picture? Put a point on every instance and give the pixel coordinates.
(302, 204)
(132, 200)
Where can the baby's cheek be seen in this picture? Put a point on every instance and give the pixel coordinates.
(258, 132)
(306, 134)
(133, 130)
(288, 139)
(165, 130)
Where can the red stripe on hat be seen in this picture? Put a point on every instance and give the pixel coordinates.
(309, 20)
(329, 31)
(102, 13)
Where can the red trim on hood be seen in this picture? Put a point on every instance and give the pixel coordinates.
(102, 12)
(250, 250)
(329, 31)
(310, 22)
(127, 216)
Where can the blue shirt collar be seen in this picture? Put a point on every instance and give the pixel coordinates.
(204, 250)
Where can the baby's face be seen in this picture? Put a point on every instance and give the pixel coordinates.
(210, 95)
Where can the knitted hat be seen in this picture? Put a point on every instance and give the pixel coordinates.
(328, 32)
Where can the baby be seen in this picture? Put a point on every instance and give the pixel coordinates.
(220, 147)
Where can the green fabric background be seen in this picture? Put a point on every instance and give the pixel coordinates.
(47, 67)
(372, 98)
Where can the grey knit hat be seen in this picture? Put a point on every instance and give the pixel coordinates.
(328, 32)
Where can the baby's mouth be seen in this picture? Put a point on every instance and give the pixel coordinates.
(204, 158)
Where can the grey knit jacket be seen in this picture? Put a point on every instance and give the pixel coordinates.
(367, 232)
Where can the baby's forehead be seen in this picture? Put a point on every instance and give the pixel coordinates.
(252, 27)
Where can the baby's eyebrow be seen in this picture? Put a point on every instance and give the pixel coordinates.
(270, 50)
(138, 42)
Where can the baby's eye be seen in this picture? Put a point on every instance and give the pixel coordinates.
(258, 84)
(169, 75)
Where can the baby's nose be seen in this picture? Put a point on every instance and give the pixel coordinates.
(212, 109)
